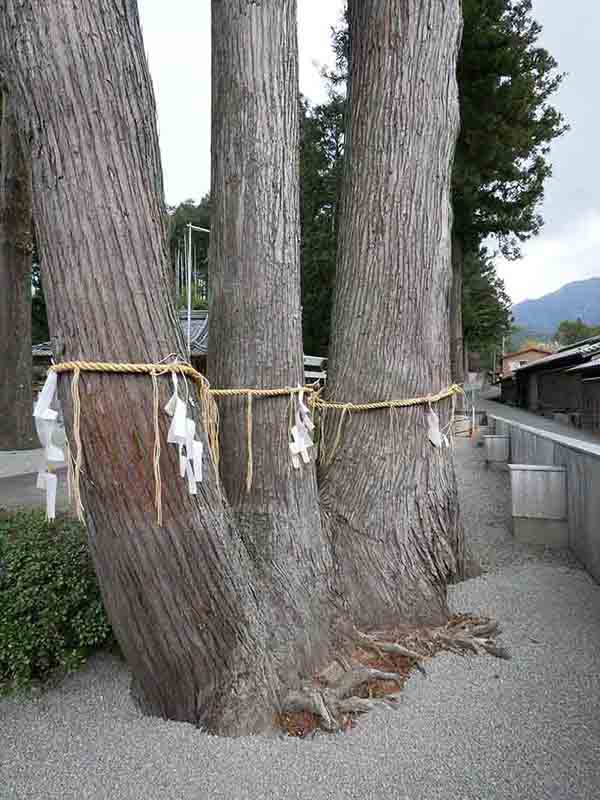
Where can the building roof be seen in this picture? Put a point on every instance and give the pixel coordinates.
(589, 366)
(199, 335)
(577, 353)
(199, 342)
(527, 350)
(199, 331)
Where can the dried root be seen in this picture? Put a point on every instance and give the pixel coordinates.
(380, 665)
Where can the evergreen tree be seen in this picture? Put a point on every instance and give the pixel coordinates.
(571, 331)
(321, 164)
(507, 125)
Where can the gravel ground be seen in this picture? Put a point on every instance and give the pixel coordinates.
(478, 728)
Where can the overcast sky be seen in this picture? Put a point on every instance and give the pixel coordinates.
(177, 39)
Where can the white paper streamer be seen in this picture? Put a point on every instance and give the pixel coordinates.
(182, 461)
(178, 430)
(45, 419)
(301, 439)
(433, 428)
(191, 479)
(46, 396)
(198, 452)
(182, 431)
(48, 481)
(170, 407)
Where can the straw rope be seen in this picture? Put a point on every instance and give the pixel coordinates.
(156, 454)
(210, 413)
(77, 435)
(452, 390)
(250, 461)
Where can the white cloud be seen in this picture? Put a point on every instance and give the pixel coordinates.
(549, 261)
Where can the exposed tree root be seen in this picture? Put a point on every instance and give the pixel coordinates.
(379, 667)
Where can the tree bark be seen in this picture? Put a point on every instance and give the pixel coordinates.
(181, 598)
(457, 343)
(16, 244)
(255, 315)
(389, 497)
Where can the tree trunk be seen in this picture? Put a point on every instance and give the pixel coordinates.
(255, 315)
(16, 403)
(389, 497)
(457, 344)
(181, 598)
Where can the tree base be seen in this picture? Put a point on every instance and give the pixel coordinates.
(380, 665)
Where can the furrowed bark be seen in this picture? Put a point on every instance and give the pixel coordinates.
(389, 497)
(16, 403)
(181, 598)
(255, 316)
(457, 343)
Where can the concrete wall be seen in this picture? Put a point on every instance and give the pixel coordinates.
(527, 448)
(530, 445)
(583, 500)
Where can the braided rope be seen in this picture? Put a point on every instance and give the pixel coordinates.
(286, 390)
(452, 390)
(156, 453)
(187, 369)
(210, 412)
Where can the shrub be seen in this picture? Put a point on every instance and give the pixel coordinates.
(51, 612)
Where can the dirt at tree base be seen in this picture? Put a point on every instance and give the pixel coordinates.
(465, 634)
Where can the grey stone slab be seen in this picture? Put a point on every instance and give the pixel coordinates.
(538, 491)
(547, 532)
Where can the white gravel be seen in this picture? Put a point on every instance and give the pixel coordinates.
(478, 728)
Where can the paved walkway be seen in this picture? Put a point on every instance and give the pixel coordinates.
(474, 729)
(18, 476)
(532, 420)
(20, 491)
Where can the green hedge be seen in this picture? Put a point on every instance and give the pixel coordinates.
(51, 612)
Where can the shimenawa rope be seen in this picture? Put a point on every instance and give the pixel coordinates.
(210, 415)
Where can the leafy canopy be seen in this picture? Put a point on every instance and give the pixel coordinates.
(571, 331)
(505, 82)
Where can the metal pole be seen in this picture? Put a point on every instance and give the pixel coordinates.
(189, 293)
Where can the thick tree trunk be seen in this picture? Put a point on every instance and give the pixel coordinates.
(181, 597)
(16, 404)
(457, 343)
(256, 325)
(389, 496)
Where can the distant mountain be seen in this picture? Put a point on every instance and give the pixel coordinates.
(577, 299)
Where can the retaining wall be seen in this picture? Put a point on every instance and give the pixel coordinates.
(529, 445)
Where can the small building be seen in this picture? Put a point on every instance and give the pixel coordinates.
(564, 385)
(513, 361)
(314, 366)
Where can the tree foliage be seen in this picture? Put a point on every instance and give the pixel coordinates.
(505, 81)
(507, 124)
(486, 305)
(178, 218)
(571, 331)
(321, 165)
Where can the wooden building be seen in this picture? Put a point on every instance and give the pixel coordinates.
(314, 366)
(564, 385)
(513, 361)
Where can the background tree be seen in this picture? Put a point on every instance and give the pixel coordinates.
(178, 218)
(256, 332)
(486, 307)
(507, 124)
(16, 401)
(571, 331)
(389, 496)
(321, 169)
(39, 314)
